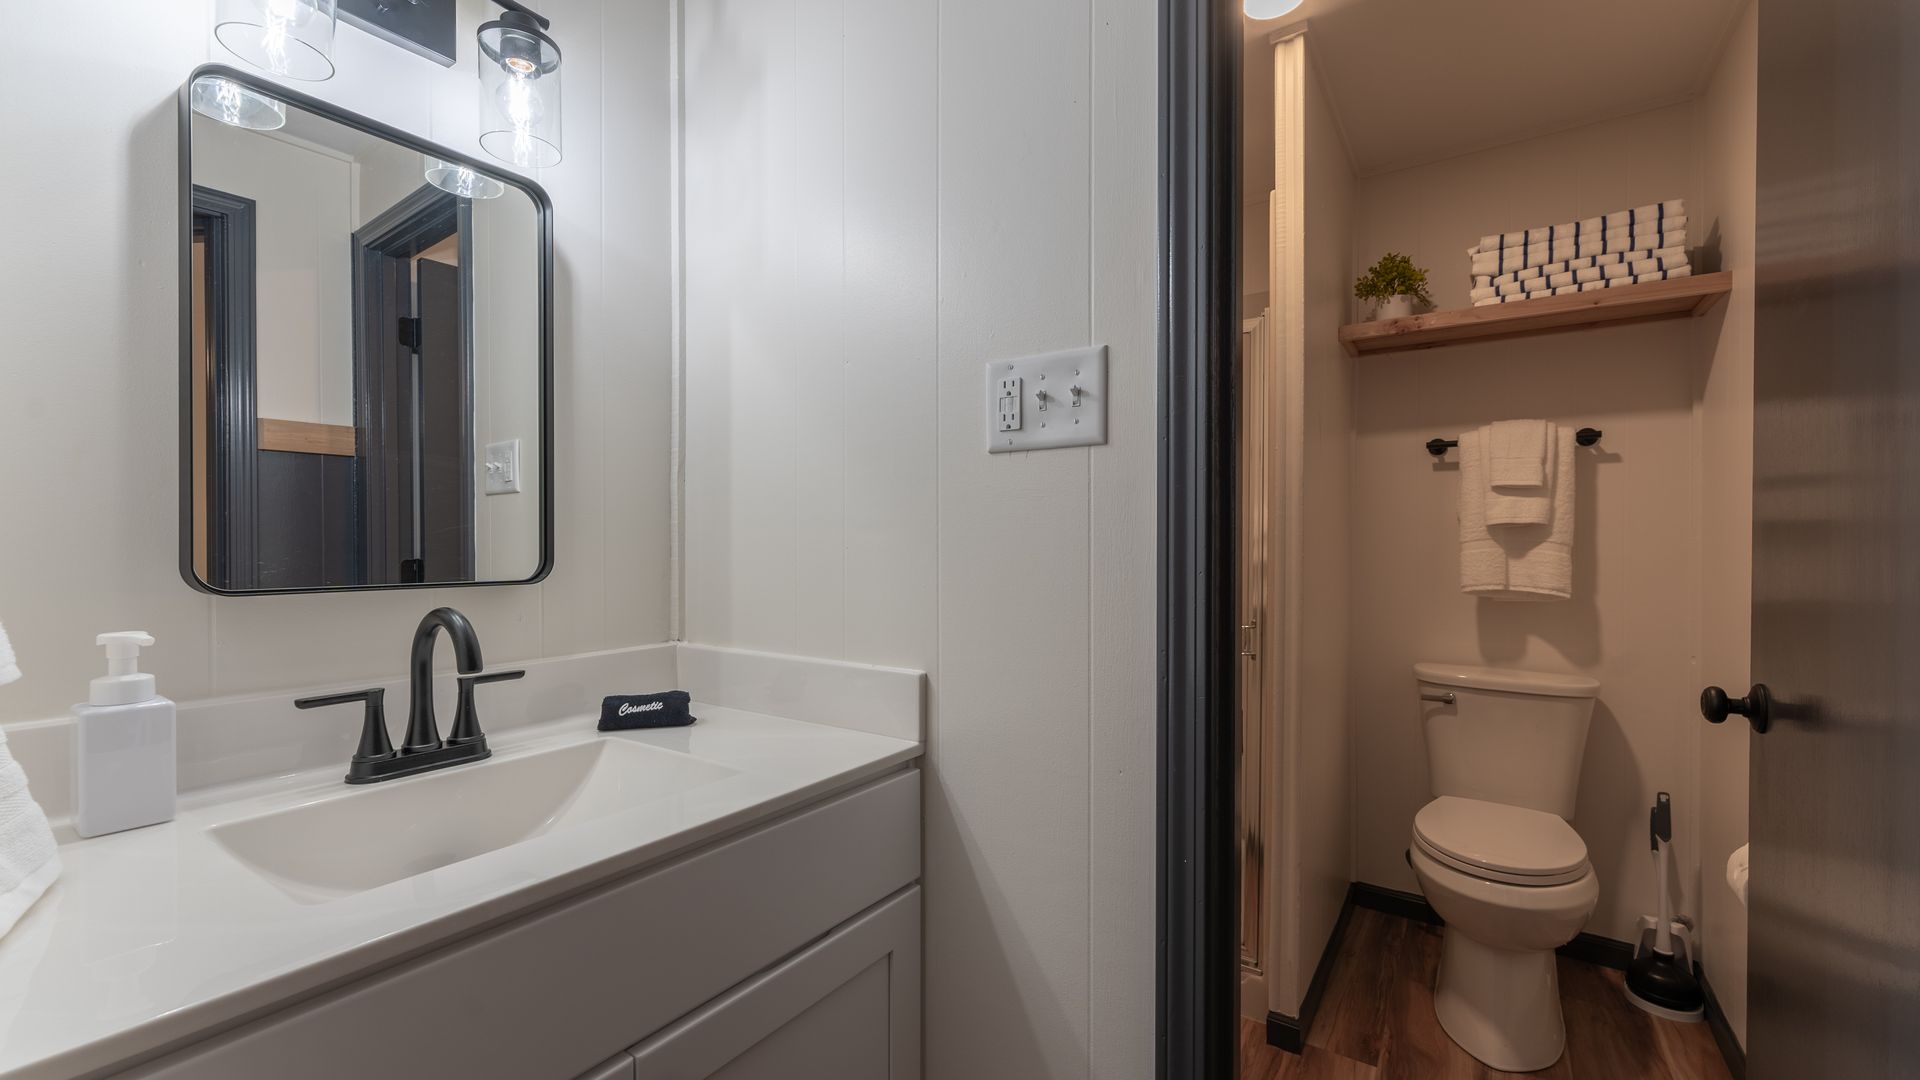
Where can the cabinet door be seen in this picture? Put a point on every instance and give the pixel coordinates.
(620, 1068)
(845, 1008)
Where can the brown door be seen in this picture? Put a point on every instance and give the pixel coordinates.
(1835, 897)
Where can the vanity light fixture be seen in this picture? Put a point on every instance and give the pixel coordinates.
(462, 180)
(1269, 9)
(291, 38)
(520, 89)
(231, 103)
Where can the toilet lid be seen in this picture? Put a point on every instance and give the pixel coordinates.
(1508, 843)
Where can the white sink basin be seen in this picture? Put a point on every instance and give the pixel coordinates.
(366, 837)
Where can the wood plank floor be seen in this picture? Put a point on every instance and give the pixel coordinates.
(1376, 1022)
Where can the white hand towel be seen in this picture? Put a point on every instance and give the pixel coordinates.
(1483, 564)
(1517, 506)
(1517, 455)
(1519, 562)
(1738, 869)
(29, 860)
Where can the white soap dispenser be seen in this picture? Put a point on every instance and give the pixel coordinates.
(123, 755)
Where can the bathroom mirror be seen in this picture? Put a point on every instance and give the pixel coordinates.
(365, 353)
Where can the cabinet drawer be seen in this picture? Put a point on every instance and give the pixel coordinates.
(846, 1008)
(554, 994)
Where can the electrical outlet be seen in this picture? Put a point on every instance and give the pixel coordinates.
(1009, 403)
(1049, 401)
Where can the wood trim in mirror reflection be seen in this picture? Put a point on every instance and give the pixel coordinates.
(301, 437)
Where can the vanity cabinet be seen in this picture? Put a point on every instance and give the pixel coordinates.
(846, 1008)
(789, 949)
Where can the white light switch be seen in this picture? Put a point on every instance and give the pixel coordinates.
(1046, 402)
(503, 467)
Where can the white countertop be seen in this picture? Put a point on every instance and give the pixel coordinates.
(155, 936)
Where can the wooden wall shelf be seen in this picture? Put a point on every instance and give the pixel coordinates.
(1672, 299)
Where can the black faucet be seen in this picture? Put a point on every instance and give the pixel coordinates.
(424, 750)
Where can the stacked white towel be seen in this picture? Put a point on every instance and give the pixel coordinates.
(1535, 262)
(29, 861)
(1543, 288)
(1516, 540)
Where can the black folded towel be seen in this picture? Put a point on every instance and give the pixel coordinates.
(625, 712)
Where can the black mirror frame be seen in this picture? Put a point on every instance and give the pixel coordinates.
(542, 203)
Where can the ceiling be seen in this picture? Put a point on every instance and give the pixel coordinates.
(1414, 81)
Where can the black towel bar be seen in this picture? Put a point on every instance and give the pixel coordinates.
(1586, 436)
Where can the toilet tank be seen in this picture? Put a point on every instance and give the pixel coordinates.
(1513, 737)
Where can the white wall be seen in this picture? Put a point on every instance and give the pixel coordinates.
(1323, 789)
(881, 196)
(506, 392)
(1311, 838)
(1632, 621)
(1727, 136)
(88, 413)
(304, 216)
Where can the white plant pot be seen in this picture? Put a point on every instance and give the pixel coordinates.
(1395, 307)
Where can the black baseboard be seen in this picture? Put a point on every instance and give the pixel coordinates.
(1730, 1048)
(1289, 1033)
(1586, 948)
(1407, 905)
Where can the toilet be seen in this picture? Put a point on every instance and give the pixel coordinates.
(1495, 855)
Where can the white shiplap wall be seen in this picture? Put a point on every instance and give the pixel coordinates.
(882, 195)
(89, 375)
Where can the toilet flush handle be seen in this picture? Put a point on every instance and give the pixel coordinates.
(1444, 697)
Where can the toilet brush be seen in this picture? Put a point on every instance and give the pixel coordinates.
(1660, 977)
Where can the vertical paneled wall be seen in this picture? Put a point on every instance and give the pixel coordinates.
(881, 196)
(1728, 127)
(87, 399)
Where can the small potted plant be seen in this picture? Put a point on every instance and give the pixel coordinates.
(1394, 285)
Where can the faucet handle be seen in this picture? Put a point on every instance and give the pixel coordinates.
(466, 719)
(374, 743)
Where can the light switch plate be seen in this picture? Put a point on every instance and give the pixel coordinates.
(1060, 399)
(503, 467)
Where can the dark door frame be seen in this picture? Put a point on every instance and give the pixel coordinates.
(381, 249)
(1197, 953)
(226, 224)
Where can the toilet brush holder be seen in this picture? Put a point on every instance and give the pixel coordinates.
(1660, 977)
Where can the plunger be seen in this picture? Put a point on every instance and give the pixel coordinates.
(1660, 977)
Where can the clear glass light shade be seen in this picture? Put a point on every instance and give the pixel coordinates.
(230, 103)
(462, 180)
(519, 92)
(291, 38)
(1269, 9)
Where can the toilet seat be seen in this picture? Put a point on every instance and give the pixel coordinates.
(1497, 842)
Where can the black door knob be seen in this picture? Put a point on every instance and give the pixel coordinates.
(1716, 706)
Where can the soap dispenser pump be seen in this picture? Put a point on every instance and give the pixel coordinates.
(123, 758)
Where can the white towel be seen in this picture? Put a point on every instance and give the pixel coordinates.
(1512, 260)
(1520, 562)
(1516, 505)
(1483, 564)
(29, 861)
(1738, 869)
(1672, 209)
(1517, 455)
